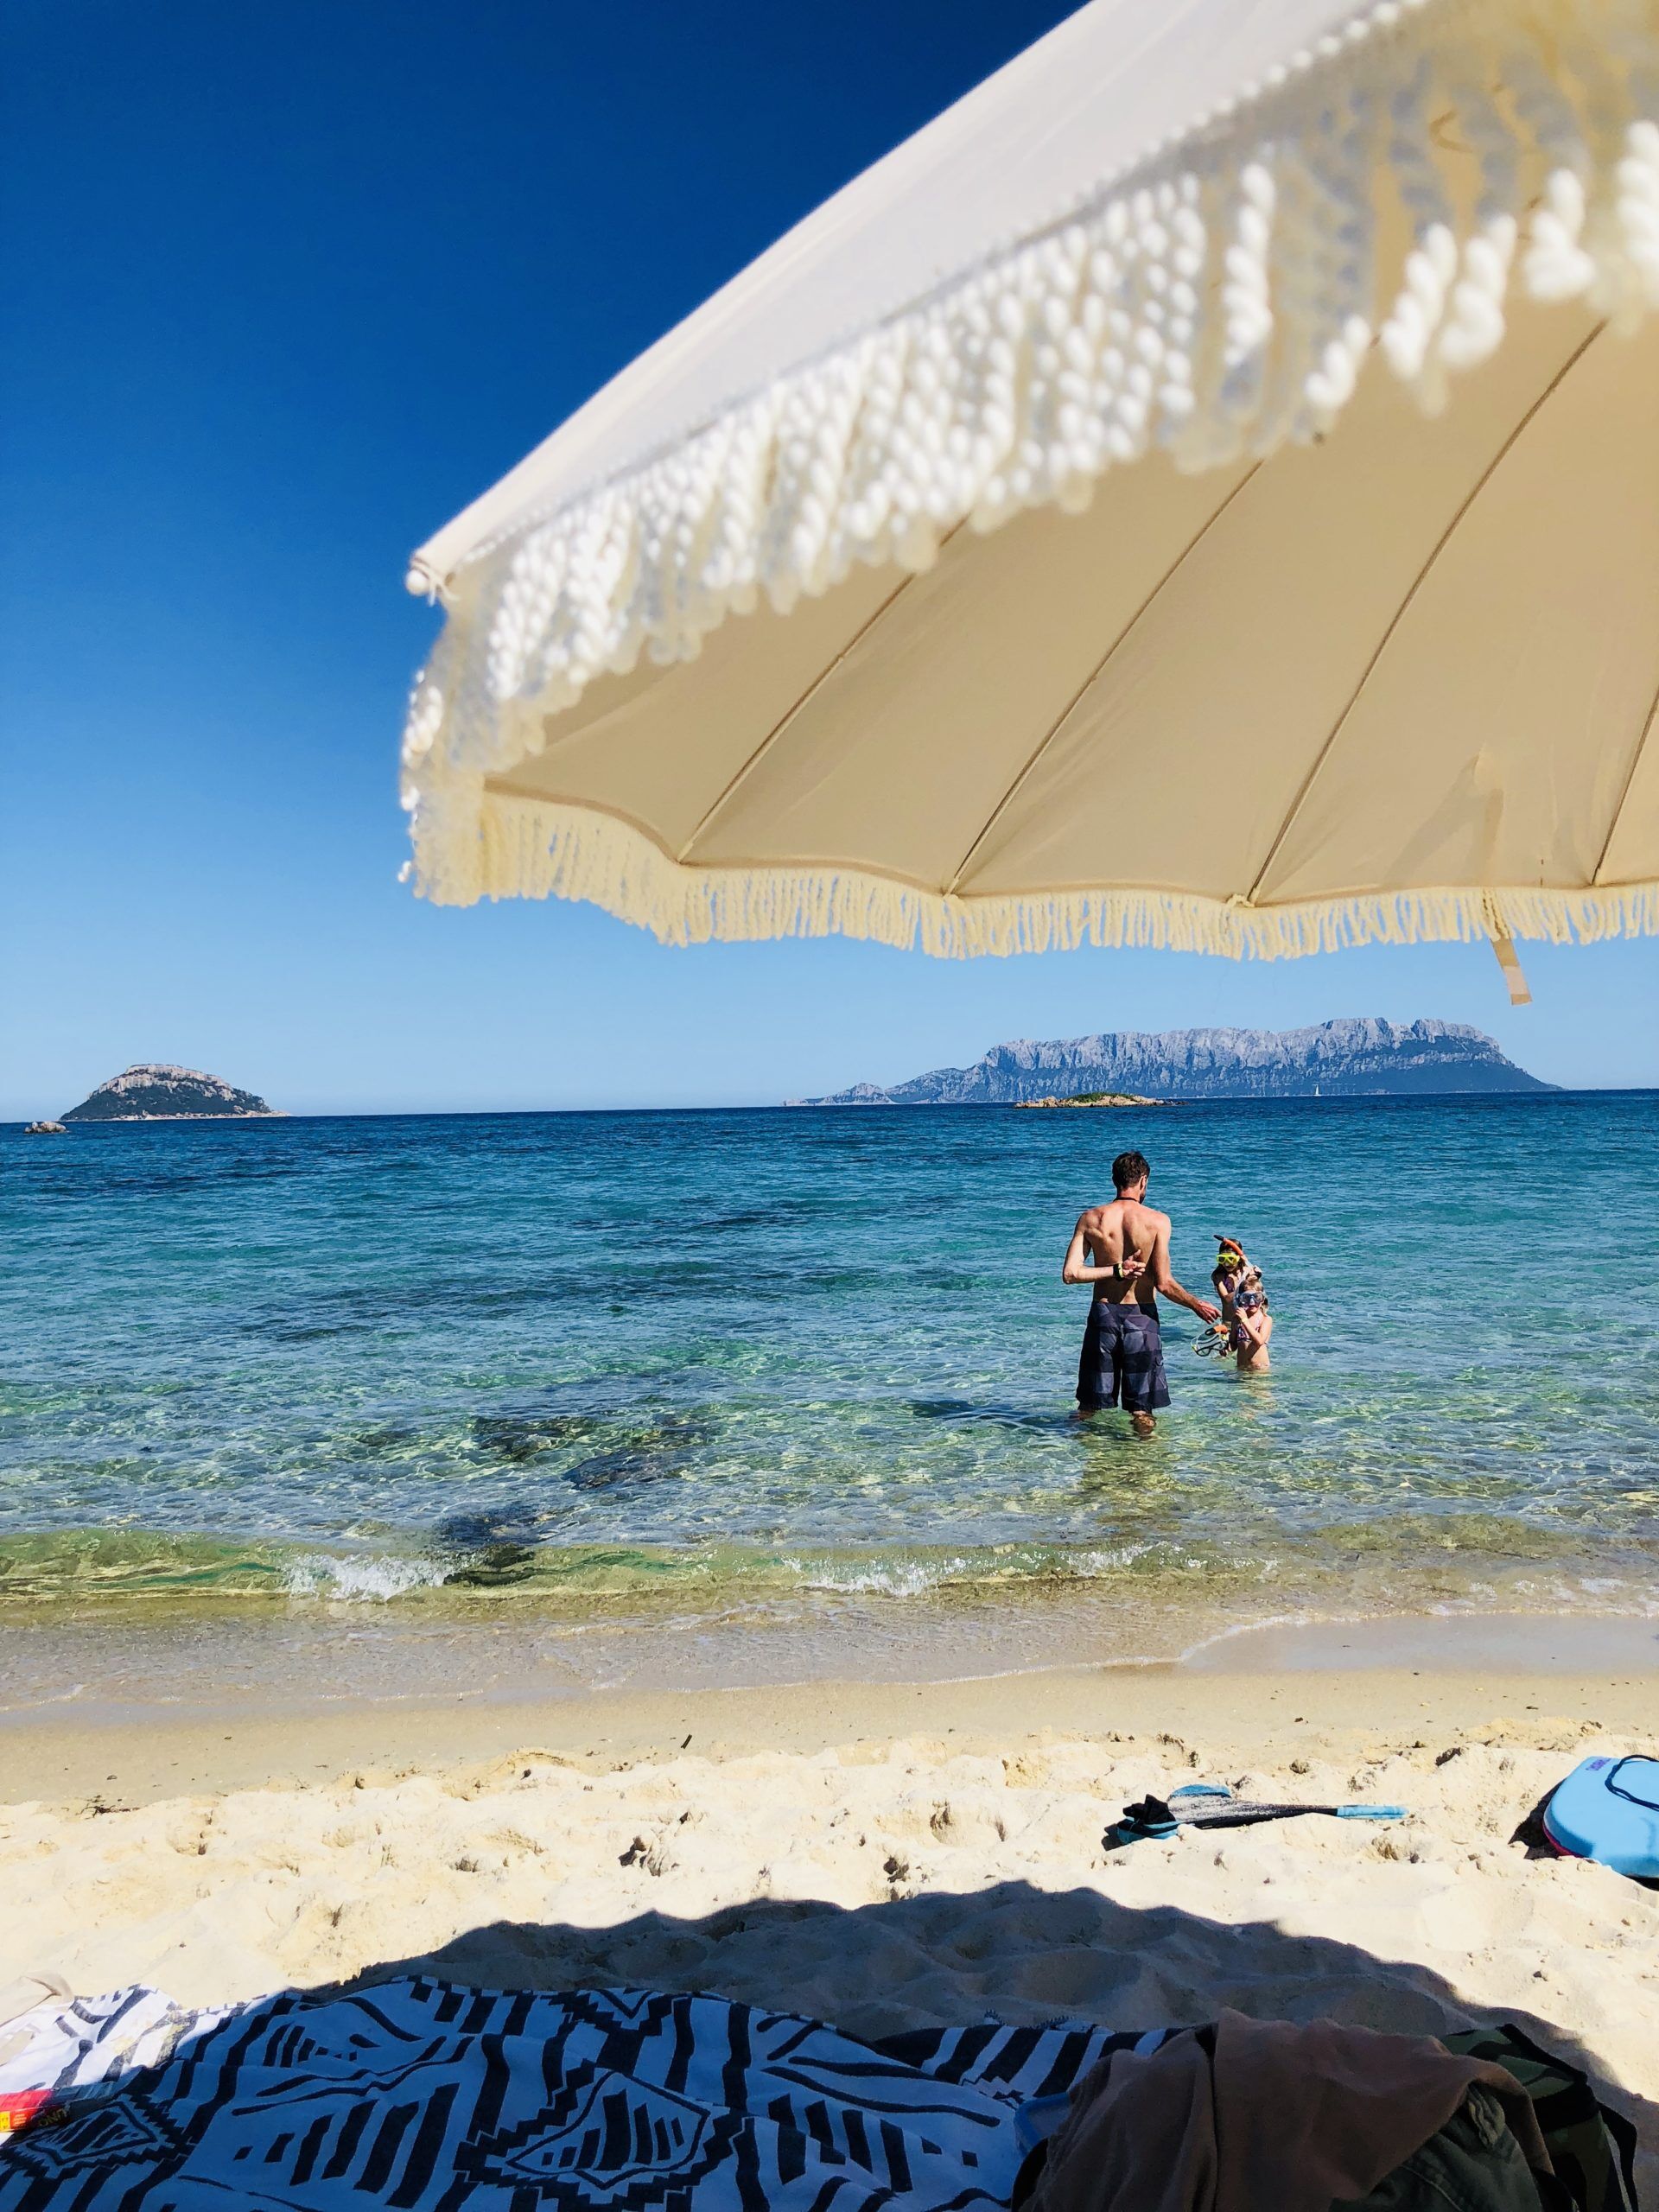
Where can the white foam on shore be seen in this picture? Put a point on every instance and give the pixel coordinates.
(355, 1579)
(1028, 1569)
(1480, 1640)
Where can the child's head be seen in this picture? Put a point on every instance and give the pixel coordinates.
(1252, 1292)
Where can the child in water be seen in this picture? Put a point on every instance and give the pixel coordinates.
(1252, 1325)
(1244, 1314)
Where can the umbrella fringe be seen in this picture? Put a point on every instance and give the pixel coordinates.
(1216, 302)
(530, 848)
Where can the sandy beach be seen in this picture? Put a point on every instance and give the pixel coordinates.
(879, 1856)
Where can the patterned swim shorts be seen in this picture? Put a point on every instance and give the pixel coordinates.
(1122, 1361)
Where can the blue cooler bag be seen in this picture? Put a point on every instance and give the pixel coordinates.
(1608, 1810)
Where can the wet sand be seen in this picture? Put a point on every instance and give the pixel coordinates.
(1267, 1690)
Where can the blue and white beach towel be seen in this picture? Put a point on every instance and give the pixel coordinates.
(425, 2097)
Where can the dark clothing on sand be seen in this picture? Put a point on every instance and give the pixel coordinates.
(1122, 1361)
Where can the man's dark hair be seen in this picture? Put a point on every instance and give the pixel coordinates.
(1129, 1167)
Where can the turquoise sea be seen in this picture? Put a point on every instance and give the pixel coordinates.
(730, 1366)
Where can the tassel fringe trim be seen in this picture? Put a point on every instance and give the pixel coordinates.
(528, 848)
(1217, 302)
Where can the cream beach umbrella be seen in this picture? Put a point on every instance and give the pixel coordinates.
(1201, 491)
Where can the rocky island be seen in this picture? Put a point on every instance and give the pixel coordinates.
(153, 1093)
(1329, 1060)
(1091, 1098)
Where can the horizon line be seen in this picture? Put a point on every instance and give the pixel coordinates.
(1544, 1091)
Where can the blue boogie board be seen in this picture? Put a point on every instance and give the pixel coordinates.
(1608, 1810)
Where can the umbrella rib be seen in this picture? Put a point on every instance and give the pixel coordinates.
(1091, 679)
(741, 774)
(1629, 783)
(1399, 611)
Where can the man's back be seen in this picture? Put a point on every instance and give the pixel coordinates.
(1124, 1234)
(1126, 1264)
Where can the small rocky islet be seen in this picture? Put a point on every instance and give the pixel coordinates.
(153, 1091)
(1090, 1098)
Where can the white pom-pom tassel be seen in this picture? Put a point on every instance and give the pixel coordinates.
(1473, 328)
(1555, 266)
(1636, 208)
(1415, 317)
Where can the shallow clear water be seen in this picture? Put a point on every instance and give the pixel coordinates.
(717, 1361)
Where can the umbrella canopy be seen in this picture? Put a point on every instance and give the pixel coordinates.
(1201, 491)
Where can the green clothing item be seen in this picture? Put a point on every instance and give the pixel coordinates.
(1591, 2148)
(1472, 2164)
(1163, 2148)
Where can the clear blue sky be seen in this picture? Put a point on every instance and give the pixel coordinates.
(288, 285)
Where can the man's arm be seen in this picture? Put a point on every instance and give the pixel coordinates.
(1076, 1268)
(1166, 1285)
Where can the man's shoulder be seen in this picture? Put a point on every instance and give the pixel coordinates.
(1153, 1215)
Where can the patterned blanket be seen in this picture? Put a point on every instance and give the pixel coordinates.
(425, 2097)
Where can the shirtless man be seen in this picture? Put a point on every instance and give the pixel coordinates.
(1123, 1250)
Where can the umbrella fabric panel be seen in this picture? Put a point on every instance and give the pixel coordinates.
(938, 705)
(662, 748)
(1398, 554)
(1635, 838)
(1512, 696)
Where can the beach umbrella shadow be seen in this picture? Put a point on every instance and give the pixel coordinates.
(1012, 1952)
(408, 2084)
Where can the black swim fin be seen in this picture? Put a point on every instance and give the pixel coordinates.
(1202, 1805)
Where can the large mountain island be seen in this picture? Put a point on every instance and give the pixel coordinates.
(148, 1093)
(1337, 1059)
